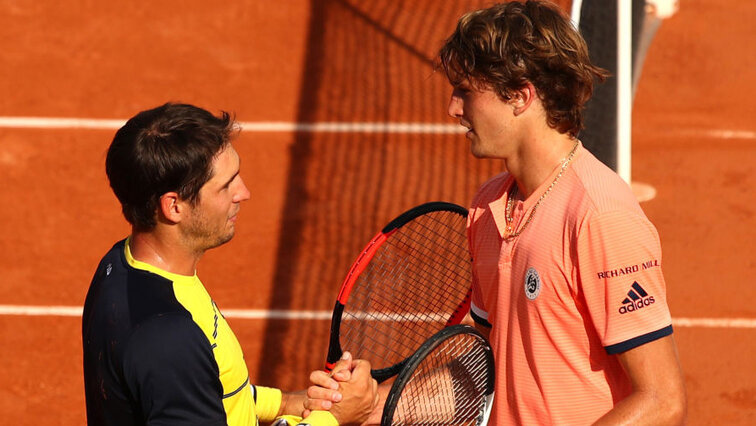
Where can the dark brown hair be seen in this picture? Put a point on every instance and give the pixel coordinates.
(168, 148)
(507, 45)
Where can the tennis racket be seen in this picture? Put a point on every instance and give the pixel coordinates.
(448, 381)
(410, 281)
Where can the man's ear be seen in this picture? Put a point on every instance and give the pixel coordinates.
(171, 207)
(522, 98)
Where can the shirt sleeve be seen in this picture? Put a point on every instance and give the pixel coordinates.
(170, 371)
(619, 264)
(267, 402)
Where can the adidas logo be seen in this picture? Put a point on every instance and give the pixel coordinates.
(637, 298)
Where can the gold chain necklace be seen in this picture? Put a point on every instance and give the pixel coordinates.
(510, 199)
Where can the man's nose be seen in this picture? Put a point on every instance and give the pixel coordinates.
(455, 106)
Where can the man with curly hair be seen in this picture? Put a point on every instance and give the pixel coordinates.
(567, 272)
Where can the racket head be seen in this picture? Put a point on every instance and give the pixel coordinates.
(448, 381)
(411, 280)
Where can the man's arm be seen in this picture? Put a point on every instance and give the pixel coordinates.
(658, 396)
(360, 399)
(292, 403)
(484, 330)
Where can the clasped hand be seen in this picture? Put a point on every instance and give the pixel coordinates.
(348, 391)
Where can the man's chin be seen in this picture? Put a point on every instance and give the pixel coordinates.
(226, 238)
(221, 240)
(478, 153)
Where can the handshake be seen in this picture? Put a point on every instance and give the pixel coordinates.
(348, 392)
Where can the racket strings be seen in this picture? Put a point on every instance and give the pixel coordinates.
(409, 290)
(449, 386)
(437, 253)
(451, 266)
(412, 277)
(414, 236)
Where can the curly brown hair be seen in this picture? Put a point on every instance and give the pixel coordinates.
(507, 45)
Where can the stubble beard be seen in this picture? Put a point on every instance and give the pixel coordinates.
(202, 237)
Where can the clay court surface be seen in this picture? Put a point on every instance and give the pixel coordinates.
(319, 195)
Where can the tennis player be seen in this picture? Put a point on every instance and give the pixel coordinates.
(157, 350)
(567, 269)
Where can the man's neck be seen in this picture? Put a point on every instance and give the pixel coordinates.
(161, 251)
(537, 158)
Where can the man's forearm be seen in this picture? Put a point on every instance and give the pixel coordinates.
(646, 408)
(658, 396)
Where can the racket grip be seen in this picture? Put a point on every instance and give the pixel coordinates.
(334, 346)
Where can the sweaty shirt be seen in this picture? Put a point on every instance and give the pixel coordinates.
(581, 283)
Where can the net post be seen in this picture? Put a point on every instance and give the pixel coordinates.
(577, 5)
(624, 88)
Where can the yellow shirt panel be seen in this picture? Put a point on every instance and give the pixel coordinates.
(238, 400)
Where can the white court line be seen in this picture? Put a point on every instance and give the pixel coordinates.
(276, 314)
(714, 322)
(76, 311)
(721, 134)
(247, 126)
(344, 127)
(59, 123)
(264, 314)
(326, 127)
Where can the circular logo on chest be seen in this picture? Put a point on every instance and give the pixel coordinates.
(532, 284)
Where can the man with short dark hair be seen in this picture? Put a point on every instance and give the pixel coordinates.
(157, 350)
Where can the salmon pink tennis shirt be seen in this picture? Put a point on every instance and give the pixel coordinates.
(580, 284)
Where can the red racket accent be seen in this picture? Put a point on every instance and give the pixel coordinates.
(360, 264)
(461, 311)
